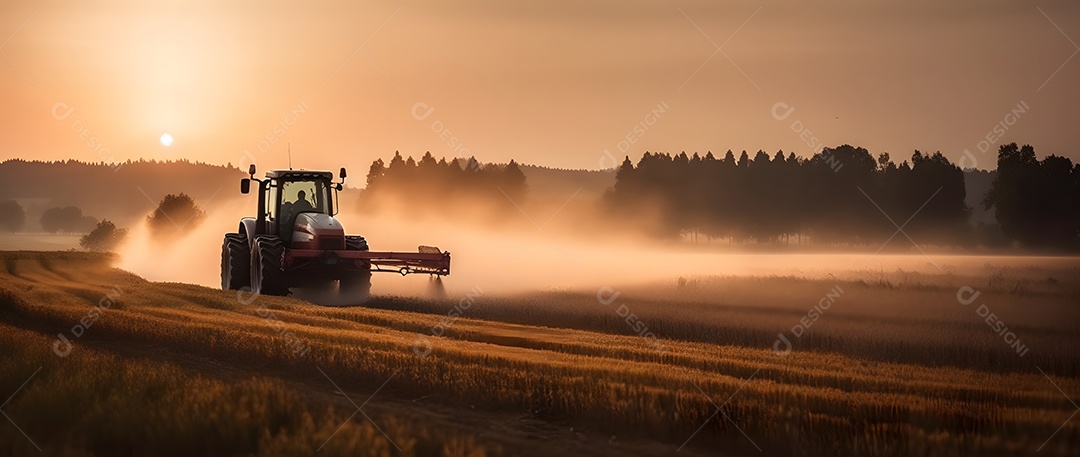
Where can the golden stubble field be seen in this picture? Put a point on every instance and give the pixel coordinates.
(98, 361)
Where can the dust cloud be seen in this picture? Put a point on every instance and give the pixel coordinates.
(188, 253)
(559, 248)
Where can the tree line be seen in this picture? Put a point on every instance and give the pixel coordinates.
(100, 236)
(173, 211)
(431, 185)
(843, 196)
(117, 192)
(67, 219)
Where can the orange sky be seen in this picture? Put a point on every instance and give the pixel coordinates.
(553, 83)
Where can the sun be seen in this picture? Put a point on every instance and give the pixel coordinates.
(166, 139)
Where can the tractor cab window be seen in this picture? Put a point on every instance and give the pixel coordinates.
(302, 197)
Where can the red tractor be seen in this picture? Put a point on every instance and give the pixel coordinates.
(295, 241)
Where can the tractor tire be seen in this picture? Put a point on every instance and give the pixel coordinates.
(267, 273)
(356, 284)
(355, 243)
(235, 262)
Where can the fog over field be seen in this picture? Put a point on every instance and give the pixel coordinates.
(561, 252)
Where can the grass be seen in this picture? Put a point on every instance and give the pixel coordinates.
(582, 371)
(899, 317)
(40, 241)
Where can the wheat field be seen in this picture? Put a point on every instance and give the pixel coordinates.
(894, 367)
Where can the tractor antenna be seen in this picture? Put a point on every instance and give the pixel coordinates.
(290, 155)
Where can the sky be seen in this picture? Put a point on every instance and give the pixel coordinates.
(567, 84)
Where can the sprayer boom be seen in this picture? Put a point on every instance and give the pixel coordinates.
(425, 261)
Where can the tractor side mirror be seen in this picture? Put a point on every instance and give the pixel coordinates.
(342, 173)
(245, 185)
(251, 171)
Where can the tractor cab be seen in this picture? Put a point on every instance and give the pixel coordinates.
(286, 194)
(291, 193)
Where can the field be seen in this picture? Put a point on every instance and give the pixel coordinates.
(98, 361)
(39, 241)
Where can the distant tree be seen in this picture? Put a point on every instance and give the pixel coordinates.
(729, 158)
(105, 237)
(744, 160)
(397, 161)
(1035, 202)
(883, 161)
(428, 167)
(12, 216)
(1017, 169)
(513, 181)
(85, 224)
(378, 168)
(472, 165)
(944, 217)
(174, 211)
(66, 219)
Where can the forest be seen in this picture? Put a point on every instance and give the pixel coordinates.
(844, 196)
(443, 186)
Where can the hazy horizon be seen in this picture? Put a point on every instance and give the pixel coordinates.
(553, 85)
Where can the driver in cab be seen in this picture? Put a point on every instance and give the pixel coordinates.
(301, 204)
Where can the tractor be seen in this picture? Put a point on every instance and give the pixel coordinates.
(295, 241)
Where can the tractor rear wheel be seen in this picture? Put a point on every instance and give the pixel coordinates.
(267, 273)
(356, 283)
(235, 262)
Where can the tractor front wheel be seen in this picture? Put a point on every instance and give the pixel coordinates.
(267, 274)
(235, 262)
(355, 243)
